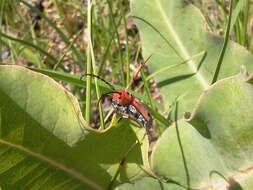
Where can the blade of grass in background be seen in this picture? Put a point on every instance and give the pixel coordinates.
(149, 77)
(127, 46)
(35, 42)
(67, 48)
(222, 6)
(58, 30)
(52, 58)
(1, 21)
(246, 22)
(107, 53)
(224, 47)
(93, 64)
(118, 40)
(13, 52)
(62, 76)
(240, 19)
(102, 65)
(19, 49)
(172, 66)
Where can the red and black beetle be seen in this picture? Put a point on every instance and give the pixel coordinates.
(126, 104)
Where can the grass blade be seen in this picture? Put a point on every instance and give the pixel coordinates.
(52, 58)
(224, 47)
(62, 35)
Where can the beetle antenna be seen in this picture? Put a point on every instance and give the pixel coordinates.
(98, 77)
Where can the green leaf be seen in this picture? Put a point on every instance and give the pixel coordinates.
(214, 147)
(44, 101)
(174, 31)
(40, 124)
(149, 183)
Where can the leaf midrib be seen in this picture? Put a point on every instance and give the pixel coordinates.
(186, 55)
(65, 169)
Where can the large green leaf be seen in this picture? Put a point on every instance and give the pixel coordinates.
(149, 183)
(47, 104)
(174, 31)
(40, 124)
(214, 147)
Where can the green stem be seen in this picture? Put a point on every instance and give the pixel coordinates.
(245, 24)
(127, 48)
(88, 68)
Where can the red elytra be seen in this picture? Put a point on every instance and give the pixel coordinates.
(123, 97)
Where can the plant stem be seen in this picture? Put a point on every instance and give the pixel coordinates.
(88, 67)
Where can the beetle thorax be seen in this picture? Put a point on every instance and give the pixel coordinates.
(122, 97)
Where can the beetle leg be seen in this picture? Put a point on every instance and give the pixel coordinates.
(125, 116)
